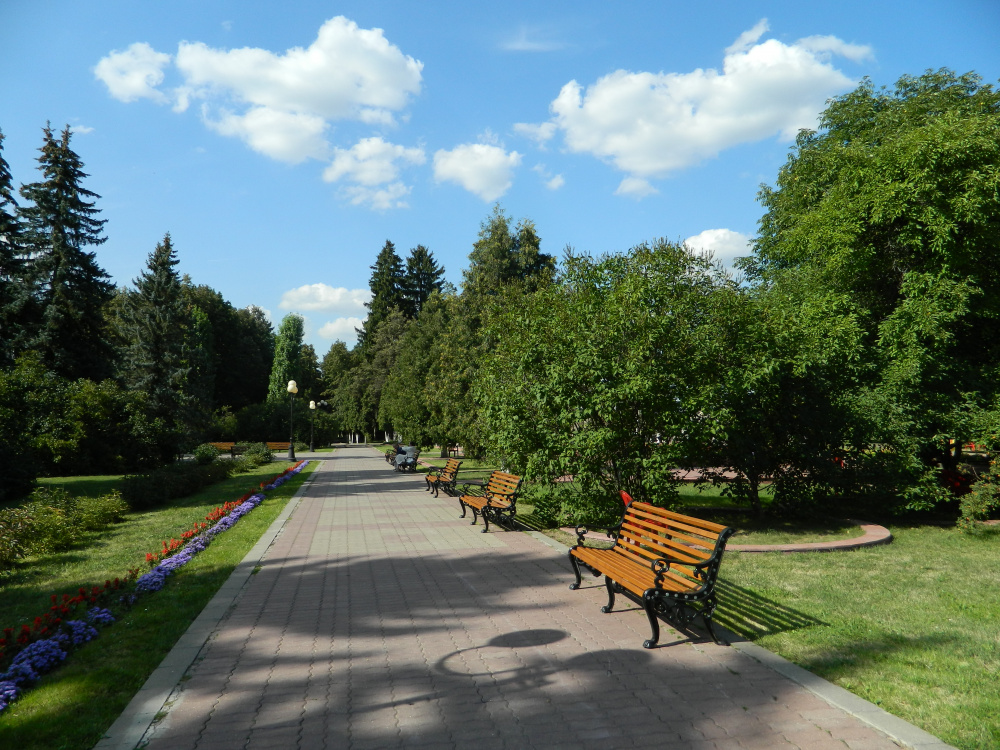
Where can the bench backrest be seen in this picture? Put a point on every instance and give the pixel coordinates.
(693, 547)
(450, 469)
(502, 485)
(277, 446)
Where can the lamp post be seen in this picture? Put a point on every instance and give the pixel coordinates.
(312, 426)
(292, 390)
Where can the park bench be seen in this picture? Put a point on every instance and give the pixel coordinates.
(407, 461)
(666, 562)
(496, 498)
(278, 446)
(444, 477)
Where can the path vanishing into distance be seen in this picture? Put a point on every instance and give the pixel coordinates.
(371, 616)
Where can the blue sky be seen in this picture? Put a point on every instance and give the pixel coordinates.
(281, 144)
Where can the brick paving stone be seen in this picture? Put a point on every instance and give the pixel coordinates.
(379, 618)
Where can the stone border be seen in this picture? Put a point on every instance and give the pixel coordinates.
(131, 726)
(902, 731)
(873, 535)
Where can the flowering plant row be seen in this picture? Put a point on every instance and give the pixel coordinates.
(45, 644)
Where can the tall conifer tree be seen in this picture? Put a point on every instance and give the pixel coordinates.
(68, 288)
(153, 322)
(287, 350)
(386, 283)
(424, 276)
(11, 262)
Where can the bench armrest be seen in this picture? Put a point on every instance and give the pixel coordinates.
(467, 488)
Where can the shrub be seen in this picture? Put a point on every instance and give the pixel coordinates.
(243, 464)
(205, 453)
(259, 452)
(17, 525)
(96, 513)
(142, 491)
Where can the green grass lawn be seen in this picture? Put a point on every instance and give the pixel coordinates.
(73, 706)
(911, 626)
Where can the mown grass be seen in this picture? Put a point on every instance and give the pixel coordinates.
(913, 626)
(71, 707)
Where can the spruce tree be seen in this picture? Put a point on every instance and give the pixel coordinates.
(153, 323)
(287, 350)
(424, 276)
(68, 289)
(11, 264)
(505, 255)
(386, 283)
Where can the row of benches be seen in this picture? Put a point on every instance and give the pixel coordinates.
(666, 562)
(235, 449)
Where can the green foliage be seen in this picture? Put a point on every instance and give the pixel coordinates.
(592, 377)
(504, 255)
(982, 500)
(205, 453)
(52, 520)
(12, 294)
(156, 488)
(152, 321)
(423, 277)
(63, 315)
(782, 365)
(259, 453)
(287, 348)
(895, 202)
(387, 284)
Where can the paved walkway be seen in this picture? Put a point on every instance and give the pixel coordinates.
(379, 619)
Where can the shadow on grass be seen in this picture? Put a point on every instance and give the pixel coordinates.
(751, 615)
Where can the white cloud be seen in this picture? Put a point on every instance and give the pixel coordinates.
(552, 182)
(134, 73)
(482, 169)
(635, 187)
(651, 124)
(380, 198)
(290, 137)
(530, 39)
(281, 105)
(81, 129)
(347, 73)
(326, 298)
(539, 133)
(371, 163)
(342, 329)
(724, 244)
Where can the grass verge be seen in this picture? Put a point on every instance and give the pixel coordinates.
(912, 626)
(71, 707)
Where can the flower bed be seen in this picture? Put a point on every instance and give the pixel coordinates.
(44, 645)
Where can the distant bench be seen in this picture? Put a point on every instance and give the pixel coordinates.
(444, 478)
(666, 562)
(236, 449)
(495, 498)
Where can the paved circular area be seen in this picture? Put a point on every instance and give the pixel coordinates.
(379, 619)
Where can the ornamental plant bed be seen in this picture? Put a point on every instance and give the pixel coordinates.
(73, 706)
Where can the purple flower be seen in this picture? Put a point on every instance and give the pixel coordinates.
(80, 632)
(8, 693)
(100, 616)
(36, 658)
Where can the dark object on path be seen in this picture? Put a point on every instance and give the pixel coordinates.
(444, 478)
(407, 460)
(664, 561)
(496, 498)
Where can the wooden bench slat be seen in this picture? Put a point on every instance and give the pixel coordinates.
(664, 560)
(497, 501)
